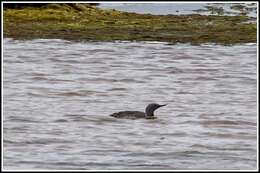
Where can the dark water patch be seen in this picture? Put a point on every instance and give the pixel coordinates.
(34, 94)
(22, 119)
(39, 78)
(211, 115)
(226, 122)
(185, 153)
(203, 78)
(173, 70)
(129, 81)
(177, 134)
(191, 122)
(101, 51)
(234, 136)
(48, 141)
(76, 117)
(61, 121)
(14, 61)
(183, 115)
(211, 149)
(117, 89)
(75, 93)
(98, 79)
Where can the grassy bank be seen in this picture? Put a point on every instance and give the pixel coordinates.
(82, 22)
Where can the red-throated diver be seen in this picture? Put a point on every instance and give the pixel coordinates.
(149, 110)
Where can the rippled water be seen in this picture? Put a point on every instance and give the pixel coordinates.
(58, 94)
(179, 8)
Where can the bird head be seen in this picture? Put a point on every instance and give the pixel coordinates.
(149, 110)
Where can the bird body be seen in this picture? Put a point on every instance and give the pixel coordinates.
(129, 114)
(149, 113)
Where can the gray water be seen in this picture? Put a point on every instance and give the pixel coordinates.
(155, 8)
(178, 8)
(57, 97)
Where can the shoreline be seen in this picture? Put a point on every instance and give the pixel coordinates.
(90, 23)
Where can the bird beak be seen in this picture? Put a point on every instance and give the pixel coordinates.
(162, 105)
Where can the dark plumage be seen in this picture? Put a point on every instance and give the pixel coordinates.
(149, 113)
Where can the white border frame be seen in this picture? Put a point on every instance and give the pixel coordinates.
(36, 170)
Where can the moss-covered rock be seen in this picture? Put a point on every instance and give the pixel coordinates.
(84, 22)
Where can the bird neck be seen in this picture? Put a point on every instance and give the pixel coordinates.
(149, 114)
(150, 117)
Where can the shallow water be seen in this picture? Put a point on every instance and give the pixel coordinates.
(57, 96)
(180, 8)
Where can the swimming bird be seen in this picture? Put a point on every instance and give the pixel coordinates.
(149, 112)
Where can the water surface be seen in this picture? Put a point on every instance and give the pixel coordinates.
(57, 96)
(180, 8)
